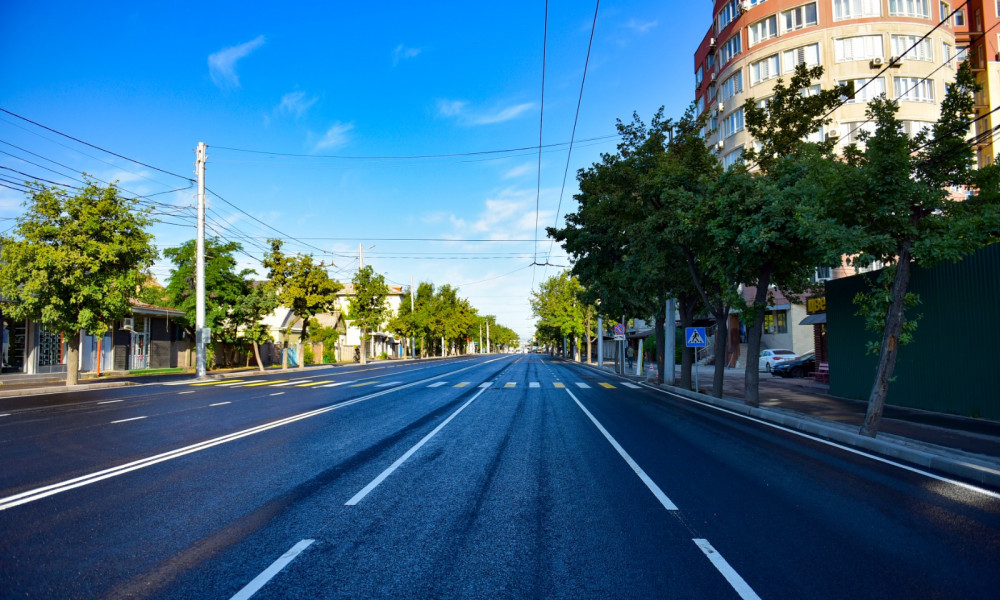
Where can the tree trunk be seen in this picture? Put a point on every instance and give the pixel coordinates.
(256, 353)
(890, 343)
(364, 346)
(73, 359)
(751, 377)
(686, 306)
(284, 353)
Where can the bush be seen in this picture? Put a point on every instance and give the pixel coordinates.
(383, 356)
(308, 353)
(329, 353)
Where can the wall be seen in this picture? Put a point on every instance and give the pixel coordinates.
(951, 364)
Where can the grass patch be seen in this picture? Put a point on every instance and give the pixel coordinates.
(156, 371)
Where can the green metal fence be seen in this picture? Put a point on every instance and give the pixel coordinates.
(953, 364)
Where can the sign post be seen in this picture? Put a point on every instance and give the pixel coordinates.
(694, 337)
(620, 339)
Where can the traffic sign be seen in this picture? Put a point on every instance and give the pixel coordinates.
(619, 329)
(694, 337)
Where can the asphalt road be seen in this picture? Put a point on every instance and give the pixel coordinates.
(484, 477)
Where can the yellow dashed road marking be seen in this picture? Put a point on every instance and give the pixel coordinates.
(218, 382)
(461, 384)
(364, 383)
(266, 383)
(607, 385)
(510, 384)
(559, 385)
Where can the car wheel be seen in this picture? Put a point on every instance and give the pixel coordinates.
(798, 372)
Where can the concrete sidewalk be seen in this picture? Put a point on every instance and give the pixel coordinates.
(962, 446)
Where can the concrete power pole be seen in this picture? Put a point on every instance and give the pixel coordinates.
(413, 338)
(487, 337)
(201, 333)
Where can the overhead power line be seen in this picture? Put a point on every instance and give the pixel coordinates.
(96, 147)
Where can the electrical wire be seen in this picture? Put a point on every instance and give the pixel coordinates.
(541, 122)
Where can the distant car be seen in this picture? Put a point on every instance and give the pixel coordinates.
(770, 358)
(800, 367)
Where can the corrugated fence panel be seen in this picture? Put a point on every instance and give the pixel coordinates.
(953, 364)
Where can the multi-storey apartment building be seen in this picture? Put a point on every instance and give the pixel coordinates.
(977, 28)
(751, 43)
(907, 49)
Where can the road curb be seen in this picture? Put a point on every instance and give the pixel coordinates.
(58, 389)
(974, 467)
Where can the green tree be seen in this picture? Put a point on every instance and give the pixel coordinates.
(776, 211)
(225, 287)
(74, 262)
(301, 285)
(899, 203)
(560, 310)
(259, 302)
(327, 336)
(368, 308)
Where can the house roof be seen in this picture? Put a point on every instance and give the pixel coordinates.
(142, 308)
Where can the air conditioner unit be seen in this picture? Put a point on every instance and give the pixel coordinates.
(876, 63)
(833, 134)
(711, 43)
(127, 323)
(894, 62)
(719, 146)
(744, 6)
(721, 107)
(714, 77)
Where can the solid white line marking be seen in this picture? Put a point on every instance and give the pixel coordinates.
(438, 384)
(110, 401)
(667, 504)
(382, 476)
(963, 485)
(734, 579)
(127, 420)
(182, 393)
(583, 385)
(277, 394)
(5, 415)
(261, 580)
(220, 403)
(64, 486)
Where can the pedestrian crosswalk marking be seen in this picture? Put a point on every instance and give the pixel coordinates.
(461, 384)
(219, 382)
(606, 385)
(364, 383)
(534, 384)
(632, 385)
(388, 384)
(265, 383)
(438, 384)
(583, 385)
(312, 383)
(288, 383)
(559, 385)
(485, 385)
(510, 384)
(339, 383)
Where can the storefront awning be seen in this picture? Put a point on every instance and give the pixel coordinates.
(814, 319)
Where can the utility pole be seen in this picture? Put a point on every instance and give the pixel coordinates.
(487, 337)
(413, 338)
(361, 256)
(600, 342)
(201, 333)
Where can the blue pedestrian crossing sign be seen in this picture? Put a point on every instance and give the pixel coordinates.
(694, 337)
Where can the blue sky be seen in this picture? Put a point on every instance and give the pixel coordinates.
(315, 117)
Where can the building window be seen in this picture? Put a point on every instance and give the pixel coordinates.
(862, 47)
(765, 69)
(729, 12)
(762, 30)
(698, 76)
(733, 123)
(923, 50)
(851, 132)
(732, 86)
(959, 18)
(856, 9)
(912, 128)
(914, 89)
(730, 49)
(910, 8)
(866, 90)
(776, 321)
(945, 10)
(962, 53)
(807, 55)
(713, 124)
(799, 17)
(949, 54)
(732, 158)
(823, 274)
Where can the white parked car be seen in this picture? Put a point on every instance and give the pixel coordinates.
(771, 357)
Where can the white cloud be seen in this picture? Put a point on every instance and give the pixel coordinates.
(222, 64)
(335, 137)
(640, 26)
(505, 114)
(458, 109)
(520, 170)
(451, 108)
(296, 103)
(402, 53)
